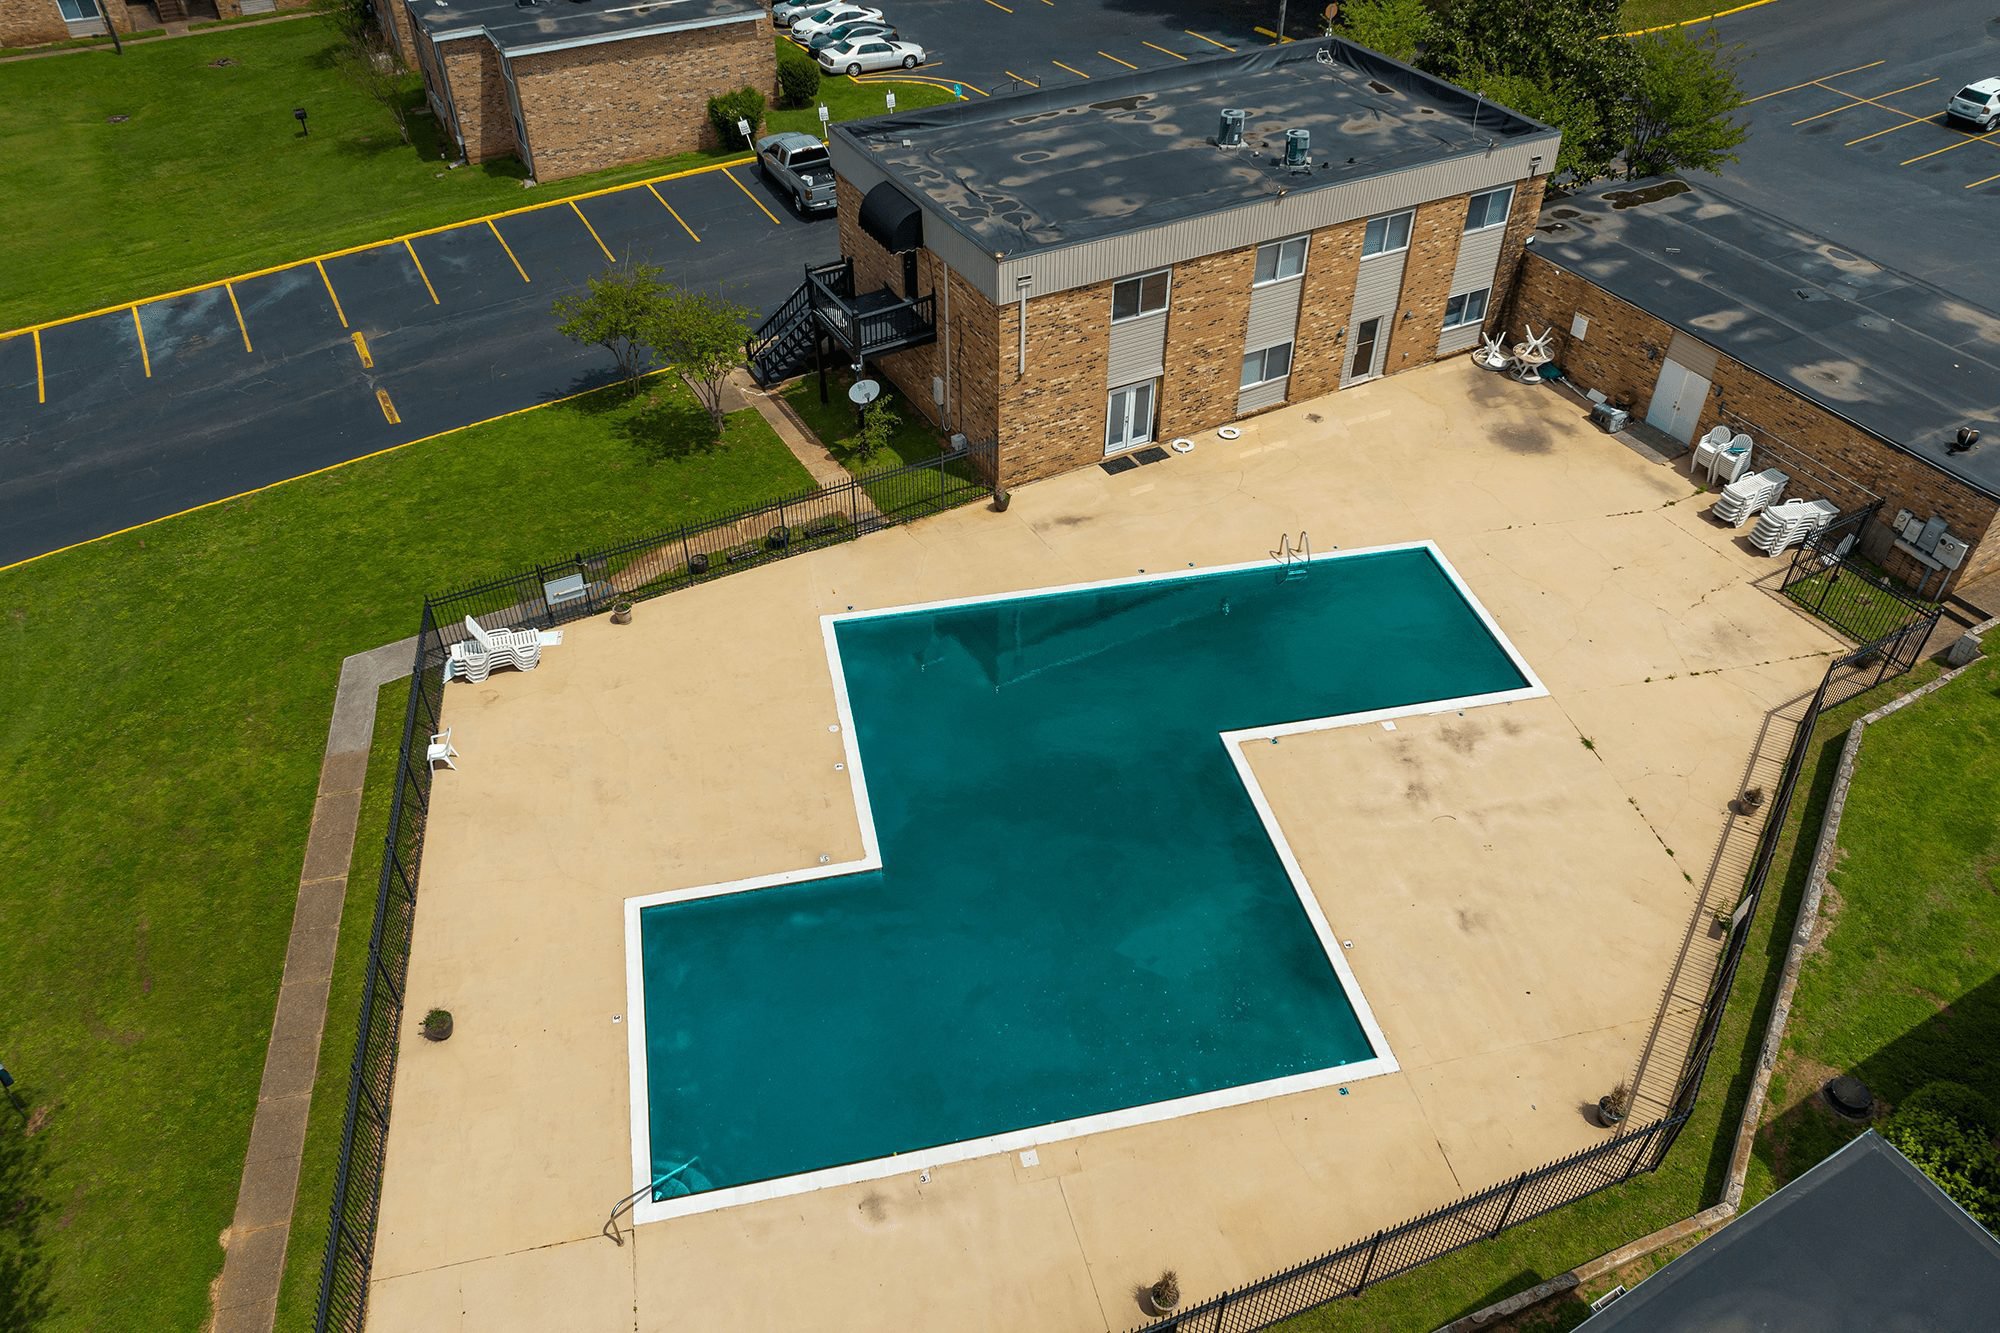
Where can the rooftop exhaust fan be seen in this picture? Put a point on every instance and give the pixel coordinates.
(1298, 148)
(1230, 133)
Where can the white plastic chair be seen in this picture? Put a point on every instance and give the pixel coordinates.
(1838, 553)
(441, 749)
(1493, 353)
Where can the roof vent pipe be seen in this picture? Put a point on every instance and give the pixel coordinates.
(1230, 135)
(1298, 148)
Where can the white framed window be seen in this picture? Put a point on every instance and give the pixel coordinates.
(1470, 308)
(1267, 364)
(1280, 260)
(1385, 235)
(76, 11)
(1489, 209)
(1143, 295)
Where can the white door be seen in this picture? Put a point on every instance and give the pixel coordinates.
(1129, 420)
(1677, 400)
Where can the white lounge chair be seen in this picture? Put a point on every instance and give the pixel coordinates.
(475, 658)
(1831, 558)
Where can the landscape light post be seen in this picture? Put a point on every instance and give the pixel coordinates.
(299, 114)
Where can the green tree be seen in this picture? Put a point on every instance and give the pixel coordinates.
(1681, 104)
(617, 312)
(1585, 153)
(1396, 28)
(703, 336)
(878, 427)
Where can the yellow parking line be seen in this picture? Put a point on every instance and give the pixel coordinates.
(1071, 68)
(41, 391)
(303, 260)
(1685, 23)
(388, 408)
(1913, 120)
(420, 272)
(1871, 101)
(240, 325)
(997, 5)
(361, 350)
(947, 84)
(1982, 138)
(676, 216)
(753, 199)
(510, 249)
(1266, 32)
(593, 232)
(330, 292)
(1116, 61)
(1164, 51)
(1212, 42)
(145, 358)
(1989, 180)
(1810, 82)
(1020, 78)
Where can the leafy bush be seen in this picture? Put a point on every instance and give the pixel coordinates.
(1945, 1128)
(798, 77)
(726, 109)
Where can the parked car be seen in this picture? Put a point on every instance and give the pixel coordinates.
(830, 16)
(785, 11)
(870, 53)
(798, 164)
(1976, 104)
(848, 32)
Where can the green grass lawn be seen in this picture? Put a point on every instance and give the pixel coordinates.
(1905, 988)
(1693, 1175)
(1638, 15)
(167, 694)
(835, 423)
(208, 176)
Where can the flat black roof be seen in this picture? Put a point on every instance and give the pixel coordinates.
(1898, 357)
(518, 29)
(1864, 1240)
(1078, 162)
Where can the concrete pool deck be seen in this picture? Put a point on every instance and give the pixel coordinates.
(1509, 890)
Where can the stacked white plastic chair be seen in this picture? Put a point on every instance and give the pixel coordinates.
(1724, 455)
(1530, 356)
(1493, 353)
(1784, 526)
(1744, 499)
(475, 658)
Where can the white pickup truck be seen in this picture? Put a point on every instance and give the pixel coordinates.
(799, 165)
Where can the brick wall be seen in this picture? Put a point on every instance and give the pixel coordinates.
(396, 23)
(597, 106)
(1825, 456)
(31, 23)
(1051, 418)
(1520, 226)
(478, 97)
(1427, 269)
(1206, 316)
(1332, 262)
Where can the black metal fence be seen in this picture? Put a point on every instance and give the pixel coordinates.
(1350, 1271)
(548, 595)
(1829, 578)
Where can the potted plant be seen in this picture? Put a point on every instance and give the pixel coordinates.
(1613, 1107)
(437, 1025)
(1166, 1292)
(778, 538)
(698, 564)
(621, 611)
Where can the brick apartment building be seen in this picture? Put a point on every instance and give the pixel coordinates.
(1695, 310)
(35, 22)
(570, 86)
(1082, 270)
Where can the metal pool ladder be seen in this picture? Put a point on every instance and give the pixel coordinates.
(1295, 556)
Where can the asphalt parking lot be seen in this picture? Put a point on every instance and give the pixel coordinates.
(130, 414)
(1847, 132)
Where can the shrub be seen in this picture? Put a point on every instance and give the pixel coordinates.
(1945, 1129)
(728, 108)
(798, 77)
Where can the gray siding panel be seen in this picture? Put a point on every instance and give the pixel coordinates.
(1260, 396)
(1459, 339)
(1274, 314)
(1478, 257)
(1138, 349)
(1377, 289)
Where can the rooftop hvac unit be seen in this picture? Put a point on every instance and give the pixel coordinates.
(1298, 148)
(1950, 551)
(1230, 135)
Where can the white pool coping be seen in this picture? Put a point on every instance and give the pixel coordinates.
(1382, 1062)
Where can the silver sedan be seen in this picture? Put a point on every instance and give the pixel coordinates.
(863, 54)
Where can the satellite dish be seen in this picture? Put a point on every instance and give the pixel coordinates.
(864, 392)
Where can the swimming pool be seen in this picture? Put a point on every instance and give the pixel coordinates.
(1075, 910)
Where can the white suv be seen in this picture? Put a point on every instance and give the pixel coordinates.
(1976, 104)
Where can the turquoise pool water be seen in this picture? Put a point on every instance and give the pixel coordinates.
(1078, 911)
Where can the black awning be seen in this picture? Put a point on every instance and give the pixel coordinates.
(888, 215)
